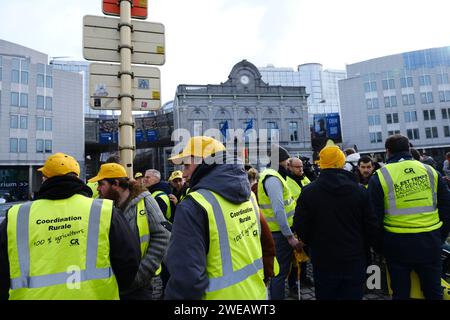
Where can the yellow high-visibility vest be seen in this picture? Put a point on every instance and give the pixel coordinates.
(410, 197)
(144, 229)
(266, 206)
(234, 261)
(165, 198)
(59, 249)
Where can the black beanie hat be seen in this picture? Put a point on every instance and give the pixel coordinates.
(283, 154)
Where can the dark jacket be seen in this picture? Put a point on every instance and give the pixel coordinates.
(333, 218)
(124, 247)
(164, 187)
(409, 247)
(189, 242)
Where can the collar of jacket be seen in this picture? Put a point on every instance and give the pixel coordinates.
(62, 187)
(283, 172)
(399, 156)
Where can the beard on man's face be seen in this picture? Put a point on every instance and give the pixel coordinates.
(111, 194)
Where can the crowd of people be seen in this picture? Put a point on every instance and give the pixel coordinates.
(223, 230)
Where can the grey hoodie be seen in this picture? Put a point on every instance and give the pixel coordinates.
(159, 238)
(189, 243)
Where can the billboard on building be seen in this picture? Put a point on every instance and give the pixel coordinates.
(325, 126)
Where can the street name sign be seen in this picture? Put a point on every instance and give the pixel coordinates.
(101, 40)
(104, 87)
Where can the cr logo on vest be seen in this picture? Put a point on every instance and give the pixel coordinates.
(409, 170)
(74, 242)
(142, 212)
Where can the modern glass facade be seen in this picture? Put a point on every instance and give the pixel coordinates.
(409, 92)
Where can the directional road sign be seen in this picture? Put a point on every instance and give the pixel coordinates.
(101, 40)
(104, 87)
(138, 10)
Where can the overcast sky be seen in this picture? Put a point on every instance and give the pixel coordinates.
(206, 38)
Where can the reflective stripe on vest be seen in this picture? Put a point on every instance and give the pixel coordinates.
(294, 188)
(142, 224)
(410, 198)
(165, 198)
(90, 273)
(245, 275)
(393, 210)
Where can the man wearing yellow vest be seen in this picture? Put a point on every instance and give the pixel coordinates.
(160, 190)
(412, 205)
(278, 206)
(65, 245)
(215, 249)
(146, 222)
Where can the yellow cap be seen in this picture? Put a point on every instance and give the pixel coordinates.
(110, 171)
(331, 157)
(60, 164)
(201, 147)
(138, 175)
(176, 175)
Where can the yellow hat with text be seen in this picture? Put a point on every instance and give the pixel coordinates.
(110, 171)
(176, 175)
(60, 164)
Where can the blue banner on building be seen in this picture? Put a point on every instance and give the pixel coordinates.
(139, 136)
(334, 127)
(152, 135)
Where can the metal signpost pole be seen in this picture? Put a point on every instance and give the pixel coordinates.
(126, 124)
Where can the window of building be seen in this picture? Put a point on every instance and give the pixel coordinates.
(370, 86)
(392, 132)
(445, 113)
(22, 145)
(426, 97)
(442, 78)
(444, 96)
(390, 101)
(406, 82)
(425, 80)
(446, 131)
(23, 122)
(40, 102)
(408, 99)
(413, 134)
(293, 131)
(372, 103)
(375, 137)
(410, 116)
(40, 123)
(198, 127)
(48, 103)
(39, 145)
(24, 99)
(14, 121)
(48, 124)
(15, 70)
(48, 146)
(40, 80)
(431, 132)
(13, 145)
(388, 84)
(374, 120)
(15, 99)
(429, 115)
(272, 131)
(49, 81)
(392, 118)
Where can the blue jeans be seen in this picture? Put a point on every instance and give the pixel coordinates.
(284, 252)
(429, 275)
(340, 284)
